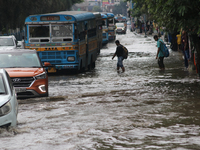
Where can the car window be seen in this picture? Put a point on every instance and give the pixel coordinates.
(6, 42)
(19, 60)
(10, 83)
(2, 86)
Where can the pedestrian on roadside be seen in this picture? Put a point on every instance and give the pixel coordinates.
(178, 38)
(185, 48)
(160, 55)
(119, 54)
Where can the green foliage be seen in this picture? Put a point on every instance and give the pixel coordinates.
(120, 9)
(14, 12)
(96, 9)
(172, 14)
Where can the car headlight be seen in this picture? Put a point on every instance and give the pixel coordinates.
(41, 76)
(42, 88)
(5, 109)
(71, 58)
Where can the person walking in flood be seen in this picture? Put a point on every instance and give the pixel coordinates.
(185, 48)
(160, 55)
(119, 54)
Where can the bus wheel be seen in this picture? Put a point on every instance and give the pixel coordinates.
(82, 69)
(90, 66)
(93, 65)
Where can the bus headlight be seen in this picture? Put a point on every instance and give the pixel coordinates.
(5, 109)
(71, 58)
(41, 76)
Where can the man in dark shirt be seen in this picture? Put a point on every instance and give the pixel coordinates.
(119, 53)
(185, 48)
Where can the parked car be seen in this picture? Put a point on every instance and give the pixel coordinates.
(121, 28)
(27, 73)
(8, 101)
(8, 42)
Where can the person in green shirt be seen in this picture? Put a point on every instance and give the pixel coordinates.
(160, 55)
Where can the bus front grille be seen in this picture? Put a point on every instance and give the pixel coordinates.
(55, 57)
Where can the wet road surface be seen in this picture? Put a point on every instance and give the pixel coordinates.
(143, 108)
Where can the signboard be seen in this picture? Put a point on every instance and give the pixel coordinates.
(50, 18)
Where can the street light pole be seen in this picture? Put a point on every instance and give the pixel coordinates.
(145, 25)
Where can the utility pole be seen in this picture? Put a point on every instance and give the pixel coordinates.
(131, 12)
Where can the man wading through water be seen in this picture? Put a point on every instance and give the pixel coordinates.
(159, 55)
(119, 53)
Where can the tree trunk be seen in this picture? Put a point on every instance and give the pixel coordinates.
(195, 39)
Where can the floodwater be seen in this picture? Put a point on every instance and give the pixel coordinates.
(141, 109)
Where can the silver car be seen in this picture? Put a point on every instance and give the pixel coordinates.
(8, 42)
(8, 101)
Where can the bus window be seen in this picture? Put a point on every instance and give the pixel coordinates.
(62, 30)
(103, 23)
(82, 36)
(91, 33)
(39, 31)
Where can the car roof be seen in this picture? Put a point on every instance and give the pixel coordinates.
(12, 50)
(8, 36)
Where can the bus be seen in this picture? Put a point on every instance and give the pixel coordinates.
(105, 28)
(99, 30)
(111, 26)
(66, 40)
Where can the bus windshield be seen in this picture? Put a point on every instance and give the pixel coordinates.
(62, 30)
(111, 21)
(58, 32)
(39, 31)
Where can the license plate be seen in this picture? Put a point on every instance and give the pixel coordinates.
(20, 90)
(52, 69)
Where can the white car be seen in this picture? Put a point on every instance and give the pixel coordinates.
(8, 42)
(8, 101)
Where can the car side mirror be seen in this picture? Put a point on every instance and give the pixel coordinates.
(47, 64)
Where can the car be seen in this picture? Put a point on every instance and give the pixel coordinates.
(8, 42)
(27, 73)
(120, 28)
(8, 101)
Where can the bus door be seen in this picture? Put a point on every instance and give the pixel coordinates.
(92, 43)
(82, 44)
(111, 29)
(105, 30)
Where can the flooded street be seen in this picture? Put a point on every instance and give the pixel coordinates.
(142, 108)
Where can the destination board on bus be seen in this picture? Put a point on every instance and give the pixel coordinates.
(49, 18)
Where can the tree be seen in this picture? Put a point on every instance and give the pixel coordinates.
(14, 12)
(96, 9)
(120, 9)
(175, 15)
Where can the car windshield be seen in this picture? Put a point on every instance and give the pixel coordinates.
(6, 42)
(120, 25)
(19, 60)
(2, 86)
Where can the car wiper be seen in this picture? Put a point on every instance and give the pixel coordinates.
(2, 92)
(35, 67)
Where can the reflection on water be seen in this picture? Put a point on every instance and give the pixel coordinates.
(143, 108)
